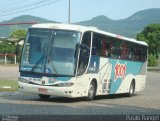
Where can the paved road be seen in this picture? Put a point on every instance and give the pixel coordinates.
(145, 102)
(7, 72)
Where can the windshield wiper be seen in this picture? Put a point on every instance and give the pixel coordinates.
(41, 58)
(50, 62)
(50, 59)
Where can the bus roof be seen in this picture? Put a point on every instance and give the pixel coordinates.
(84, 29)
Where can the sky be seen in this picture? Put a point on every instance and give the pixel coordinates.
(81, 10)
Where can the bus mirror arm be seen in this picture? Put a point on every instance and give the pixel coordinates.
(81, 46)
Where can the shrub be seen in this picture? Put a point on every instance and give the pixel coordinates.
(6, 47)
(152, 60)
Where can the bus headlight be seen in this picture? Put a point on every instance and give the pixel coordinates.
(23, 80)
(65, 84)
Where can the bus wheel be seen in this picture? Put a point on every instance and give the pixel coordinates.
(131, 89)
(44, 97)
(91, 91)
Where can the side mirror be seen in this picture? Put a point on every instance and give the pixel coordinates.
(84, 49)
(82, 46)
(78, 46)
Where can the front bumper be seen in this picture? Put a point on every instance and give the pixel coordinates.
(47, 90)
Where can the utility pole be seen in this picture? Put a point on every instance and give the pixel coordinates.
(69, 12)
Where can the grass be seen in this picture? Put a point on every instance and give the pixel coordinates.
(8, 65)
(13, 84)
(158, 63)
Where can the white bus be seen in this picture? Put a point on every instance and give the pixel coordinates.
(76, 61)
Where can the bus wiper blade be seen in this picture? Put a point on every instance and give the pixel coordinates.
(37, 63)
(50, 62)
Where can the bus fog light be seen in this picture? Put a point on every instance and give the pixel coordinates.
(70, 92)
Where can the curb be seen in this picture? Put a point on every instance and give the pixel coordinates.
(10, 93)
(5, 87)
(153, 69)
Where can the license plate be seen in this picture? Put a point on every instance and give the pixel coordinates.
(43, 90)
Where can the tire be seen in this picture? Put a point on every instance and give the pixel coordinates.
(131, 89)
(44, 97)
(91, 91)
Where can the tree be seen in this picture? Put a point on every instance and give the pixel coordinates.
(7, 47)
(18, 34)
(151, 35)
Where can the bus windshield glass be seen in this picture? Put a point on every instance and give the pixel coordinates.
(50, 52)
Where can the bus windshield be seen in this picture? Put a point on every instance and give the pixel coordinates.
(50, 52)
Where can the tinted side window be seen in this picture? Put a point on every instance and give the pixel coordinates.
(116, 48)
(101, 45)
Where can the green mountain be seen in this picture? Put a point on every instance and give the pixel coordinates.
(127, 27)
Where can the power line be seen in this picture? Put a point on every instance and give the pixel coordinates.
(13, 4)
(3, 19)
(23, 6)
(28, 9)
(17, 23)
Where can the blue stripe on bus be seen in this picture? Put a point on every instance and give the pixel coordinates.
(63, 78)
(23, 74)
(133, 68)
